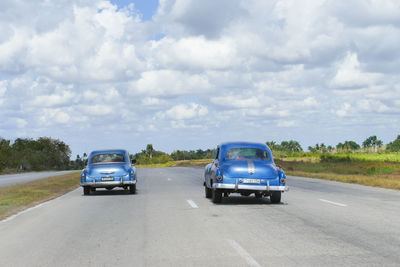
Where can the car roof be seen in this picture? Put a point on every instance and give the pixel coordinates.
(227, 145)
(122, 151)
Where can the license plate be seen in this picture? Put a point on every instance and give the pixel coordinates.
(107, 178)
(251, 181)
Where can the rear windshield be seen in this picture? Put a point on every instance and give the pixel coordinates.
(247, 153)
(108, 157)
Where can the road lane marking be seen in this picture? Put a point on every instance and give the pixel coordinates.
(192, 204)
(169, 179)
(243, 253)
(12, 217)
(333, 203)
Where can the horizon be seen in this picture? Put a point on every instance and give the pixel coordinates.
(187, 75)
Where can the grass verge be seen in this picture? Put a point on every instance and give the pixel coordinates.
(18, 197)
(378, 174)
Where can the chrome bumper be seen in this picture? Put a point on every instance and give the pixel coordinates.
(108, 183)
(251, 187)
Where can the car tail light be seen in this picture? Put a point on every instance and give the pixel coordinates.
(282, 181)
(131, 174)
(219, 178)
(216, 164)
(83, 176)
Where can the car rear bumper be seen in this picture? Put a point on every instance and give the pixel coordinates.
(237, 187)
(108, 183)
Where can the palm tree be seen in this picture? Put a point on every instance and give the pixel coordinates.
(149, 150)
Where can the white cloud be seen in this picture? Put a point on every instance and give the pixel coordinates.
(195, 53)
(184, 112)
(168, 82)
(349, 74)
(284, 123)
(236, 101)
(3, 87)
(21, 123)
(343, 110)
(66, 97)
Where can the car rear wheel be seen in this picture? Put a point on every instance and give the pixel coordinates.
(132, 189)
(216, 196)
(275, 197)
(208, 191)
(86, 190)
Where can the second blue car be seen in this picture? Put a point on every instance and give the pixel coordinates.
(109, 169)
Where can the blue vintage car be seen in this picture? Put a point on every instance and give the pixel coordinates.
(109, 169)
(245, 168)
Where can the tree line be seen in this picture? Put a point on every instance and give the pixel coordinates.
(34, 155)
(371, 144)
(46, 153)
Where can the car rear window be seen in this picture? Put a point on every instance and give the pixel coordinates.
(108, 157)
(247, 153)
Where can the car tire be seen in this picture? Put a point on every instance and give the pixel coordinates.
(258, 195)
(86, 190)
(132, 189)
(275, 197)
(208, 191)
(245, 194)
(216, 196)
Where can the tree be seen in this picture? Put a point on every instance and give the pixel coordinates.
(347, 146)
(5, 152)
(394, 146)
(291, 146)
(379, 144)
(273, 145)
(371, 143)
(149, 150)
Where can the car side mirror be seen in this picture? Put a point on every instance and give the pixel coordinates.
(134, 161)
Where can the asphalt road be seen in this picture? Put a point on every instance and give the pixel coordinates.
(12, 179)
(169, 222)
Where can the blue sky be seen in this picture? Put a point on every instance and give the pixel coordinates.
(146, 7)
(191, 74)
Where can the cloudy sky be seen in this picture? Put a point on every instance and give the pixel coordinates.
(188, 74)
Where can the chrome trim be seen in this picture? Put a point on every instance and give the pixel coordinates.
(108, 183)
(268, 185)
(250, 166)
(236, 184)
(250, 187)
(107, 172)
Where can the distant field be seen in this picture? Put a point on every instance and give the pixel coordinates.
(307, 156)
(178, 163)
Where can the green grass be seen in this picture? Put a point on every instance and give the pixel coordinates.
(371, 157)
(357, 156)
(381, 174)
(21, 196)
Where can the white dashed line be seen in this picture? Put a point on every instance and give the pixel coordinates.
(333, 203)
(192, 204)
(243, 253)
